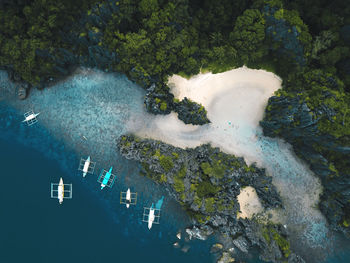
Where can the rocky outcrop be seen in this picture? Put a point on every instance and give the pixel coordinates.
(207, 182)
(197, 176)
(201, 233)
(22, 91)
(159, 100)
(217, 247)
(287, 37)
(226, 258)
(191, 112)
(328, 156)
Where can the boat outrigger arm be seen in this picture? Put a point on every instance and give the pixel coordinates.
(61, 191)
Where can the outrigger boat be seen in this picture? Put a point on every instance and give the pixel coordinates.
(151, 217)
(61, 191)
(30, 117)
(86, 166)
(128, 198)
(106, 178)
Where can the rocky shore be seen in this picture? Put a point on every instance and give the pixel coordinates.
(159, 100)
(207, 182)
(292, 119)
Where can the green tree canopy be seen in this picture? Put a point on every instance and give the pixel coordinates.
(248, 35)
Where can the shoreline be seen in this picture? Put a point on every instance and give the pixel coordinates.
(235, 129)
(67, 120)
(108, 119)
(235, 102)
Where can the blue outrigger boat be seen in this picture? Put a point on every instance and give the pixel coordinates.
(106, 178)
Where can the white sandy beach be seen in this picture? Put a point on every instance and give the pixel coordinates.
(249, 202)
(235, 101)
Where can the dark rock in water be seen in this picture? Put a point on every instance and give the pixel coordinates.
(185, 248)
(14, 76)
(22, 93)
(191, 113)
(216, 248)
(176, 245)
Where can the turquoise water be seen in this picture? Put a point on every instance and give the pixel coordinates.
(87, 228)
(100, 107)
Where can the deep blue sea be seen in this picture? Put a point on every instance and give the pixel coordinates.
(35, 228)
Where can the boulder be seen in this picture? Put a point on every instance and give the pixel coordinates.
(176, 245)
(226, 258)
(22, 93)
(242, 244)
(199, 233)
(216, 248)
(191, 112)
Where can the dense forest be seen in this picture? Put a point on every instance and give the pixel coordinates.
(307, 43)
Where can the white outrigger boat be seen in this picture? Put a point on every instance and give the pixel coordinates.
(86, 166)
(30, 117)
(151, 215)
(61, 191)
(128, 198)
